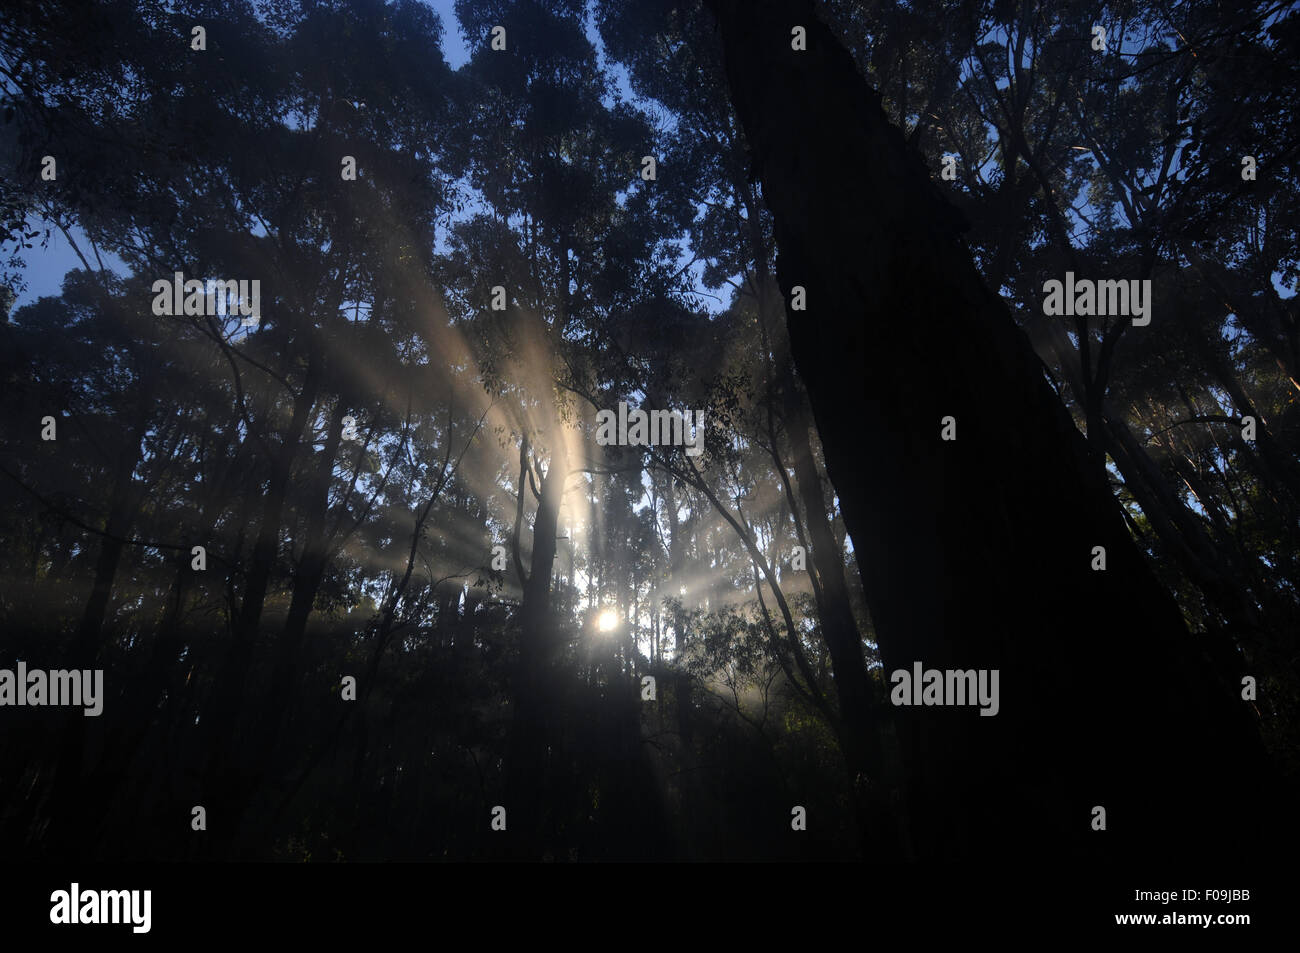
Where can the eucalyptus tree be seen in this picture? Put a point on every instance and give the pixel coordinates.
(967, 546)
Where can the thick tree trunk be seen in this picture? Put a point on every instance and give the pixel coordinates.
(975, 554)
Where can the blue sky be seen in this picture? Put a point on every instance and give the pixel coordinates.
(47, 266)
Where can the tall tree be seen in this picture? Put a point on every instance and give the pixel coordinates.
(978, 552)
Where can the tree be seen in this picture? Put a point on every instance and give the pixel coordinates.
(981, 557)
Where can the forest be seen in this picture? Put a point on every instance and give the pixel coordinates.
(573, 430)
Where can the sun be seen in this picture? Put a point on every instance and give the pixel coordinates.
(607, 620)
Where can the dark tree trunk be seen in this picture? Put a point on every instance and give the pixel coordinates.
(113, 771)
(535, 693)
(225, 774)
(859, 704)
(67, 794)
(975, 554)
(141, 704)
(306, 583)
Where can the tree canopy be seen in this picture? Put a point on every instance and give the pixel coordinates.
(362, 569)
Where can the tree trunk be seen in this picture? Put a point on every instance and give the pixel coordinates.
(227, 766)
(975, 553)
(534, 692)
(859, 706)
(67, 793)
(307, 580)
